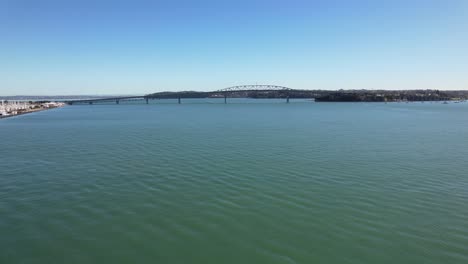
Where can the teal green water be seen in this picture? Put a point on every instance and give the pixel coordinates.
(255, 181)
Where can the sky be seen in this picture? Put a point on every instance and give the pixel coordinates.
(61, 47)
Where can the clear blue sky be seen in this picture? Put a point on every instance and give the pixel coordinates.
(138, 47)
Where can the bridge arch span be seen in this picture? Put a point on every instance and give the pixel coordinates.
(255, 87)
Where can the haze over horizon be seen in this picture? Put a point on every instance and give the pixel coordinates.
(54, 47)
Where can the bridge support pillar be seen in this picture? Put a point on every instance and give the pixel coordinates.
(287, 100)
(179, 100)
(225, 98)
(146, 100)
(117, 102)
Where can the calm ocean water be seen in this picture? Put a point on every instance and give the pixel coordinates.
(253, 181)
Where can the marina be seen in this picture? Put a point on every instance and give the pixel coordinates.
(15, 108)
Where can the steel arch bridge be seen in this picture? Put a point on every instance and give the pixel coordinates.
(255, 87)
(283, 91)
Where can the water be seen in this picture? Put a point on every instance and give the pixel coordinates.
(253, 181)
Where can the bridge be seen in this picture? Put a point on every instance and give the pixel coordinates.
(240, 91)
(255, 87)
(106, 99)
